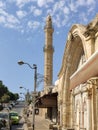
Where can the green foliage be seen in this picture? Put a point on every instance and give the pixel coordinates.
(5, 98)
(6, 95)
(3, 89)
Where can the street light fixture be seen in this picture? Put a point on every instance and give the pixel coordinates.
(23, 87)
(27, 95)
(35, 85)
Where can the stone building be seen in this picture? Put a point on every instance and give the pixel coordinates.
(78, 79)
(74, 98)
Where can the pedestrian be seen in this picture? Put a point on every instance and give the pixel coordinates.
(27, 113)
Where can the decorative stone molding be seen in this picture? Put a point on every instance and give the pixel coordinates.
(70, 37)
(96, 35)
(90, 33)
(89, 93)
(92, 28)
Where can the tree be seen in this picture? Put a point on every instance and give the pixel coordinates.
(3, 89)
(16, 96)
(13, 96)
(5, 98)
(6, 95)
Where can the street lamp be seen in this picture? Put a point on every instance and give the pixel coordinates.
(35, 85)
(27, 95)
(24, 88)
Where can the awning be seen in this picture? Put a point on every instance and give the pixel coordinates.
(48, 100)
(88, 70)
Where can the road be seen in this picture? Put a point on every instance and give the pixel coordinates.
(19, 107)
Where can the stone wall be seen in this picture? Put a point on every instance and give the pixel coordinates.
(82, 41)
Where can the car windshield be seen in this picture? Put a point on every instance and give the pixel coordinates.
(13, 114)
(4, 115)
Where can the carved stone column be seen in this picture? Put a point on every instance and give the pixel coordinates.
(97, 106)
(93, 109)
(89, 121)
(97, 103)
(94, 85)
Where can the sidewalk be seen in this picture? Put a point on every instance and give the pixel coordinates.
(40, 123)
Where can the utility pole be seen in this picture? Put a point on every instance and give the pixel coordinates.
(35, 84)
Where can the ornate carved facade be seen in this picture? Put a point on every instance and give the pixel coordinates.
(78, 109)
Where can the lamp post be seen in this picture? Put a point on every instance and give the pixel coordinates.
(35, 82)
(27, 95)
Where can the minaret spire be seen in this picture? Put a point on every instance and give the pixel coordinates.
(48, 52)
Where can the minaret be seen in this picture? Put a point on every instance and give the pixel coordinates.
(48, 52)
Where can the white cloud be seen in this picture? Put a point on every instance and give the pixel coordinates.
(57, 20)
(12, 20)
(21, 3)
(75, 5)
(41, 3)
(80, 3)
(91, 10)
(32, 8)
(2, 12)
(21, 14)
(84, 3)
(33, 25)
(59, 7)
(62, 12)
(55, 7)
(65, 20)
(72, 7)
(2, 5)
(44, 2)
(2, 19)
(91, 2)
(37, 12)
(8, 20)
(49, 11)
(83, 17)
(66, 10)
(61, 4)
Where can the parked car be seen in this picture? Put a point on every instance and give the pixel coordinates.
(14, 117)
(5, 123)
(10, 106)
(1, 107)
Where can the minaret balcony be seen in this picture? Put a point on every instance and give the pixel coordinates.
(48, 27)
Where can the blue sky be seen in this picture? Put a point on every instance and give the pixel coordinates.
(22, 35)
